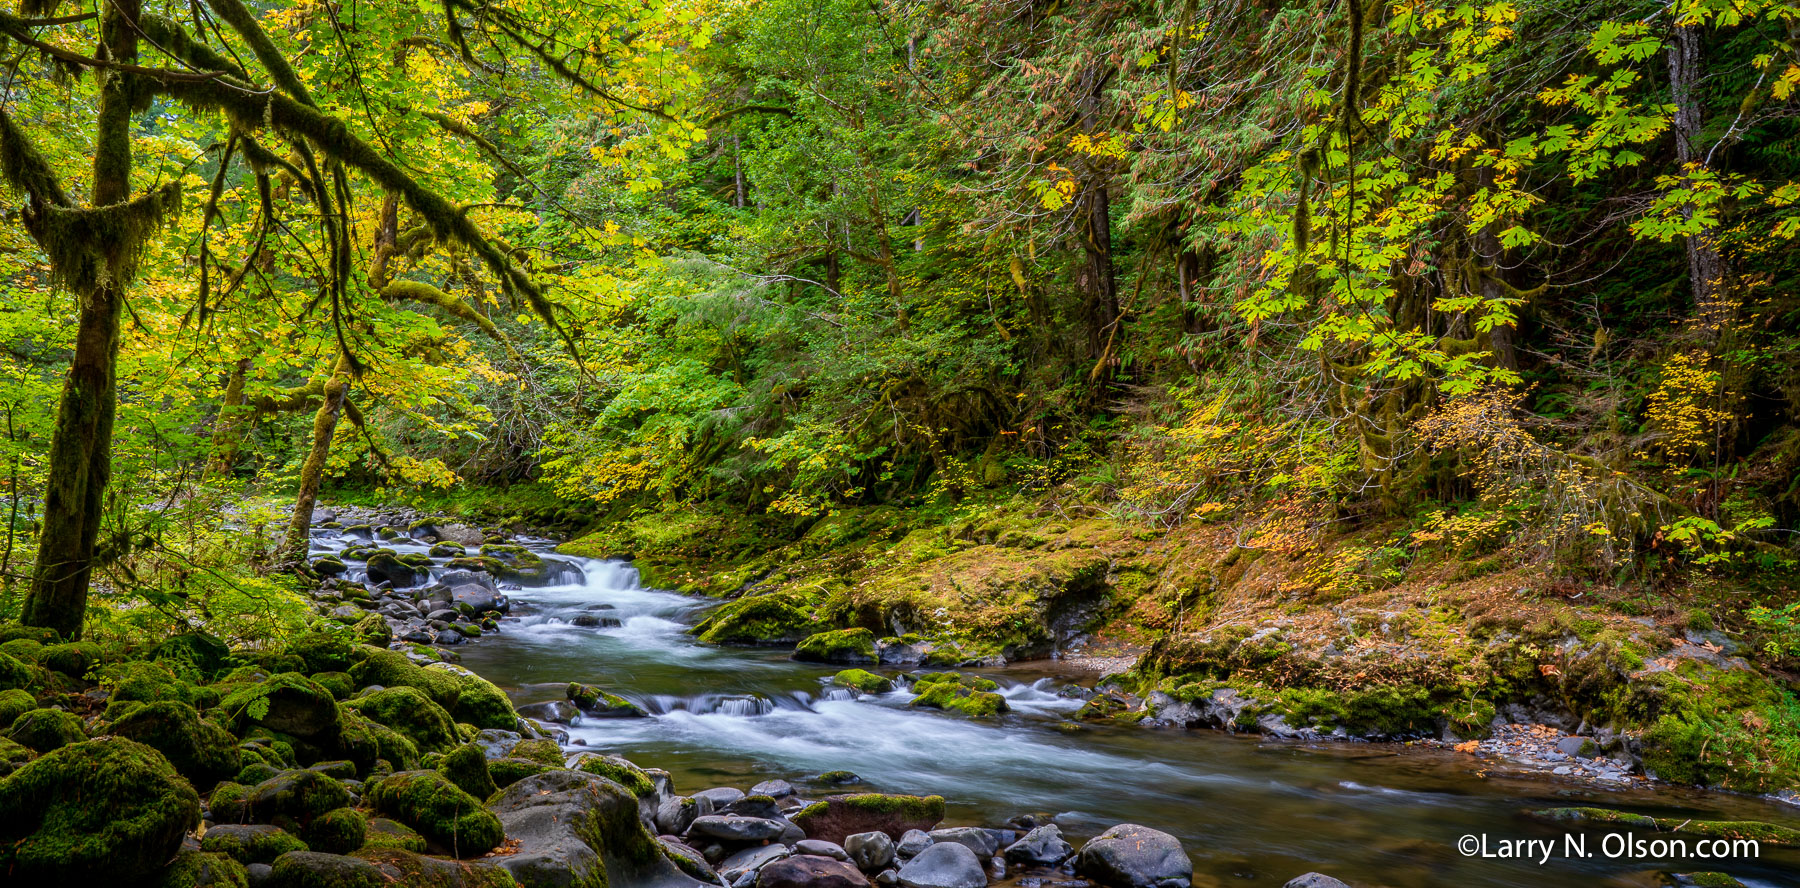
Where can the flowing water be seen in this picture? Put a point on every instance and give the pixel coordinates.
(1371, 814)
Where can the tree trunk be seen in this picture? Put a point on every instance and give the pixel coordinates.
(1102, 287)
(228, 425)
(312, 472)
(81, 447)
(1706, 267)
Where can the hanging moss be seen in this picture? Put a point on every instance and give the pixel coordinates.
(91, 247)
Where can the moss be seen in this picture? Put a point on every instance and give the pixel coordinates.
(408, 868)
(490, 566)
(839, 646)
(619, 771)
(385, 833)
(862, 681)
(339, 831)
(955, 692)
(255, 772)
(313, 869)
(1708, 880)
(73, 659)
(340, 684)
(98, 811)
(507, 771)
(14, 673)
(46, 729)
(288, 703)
(202, 751)
(291, 800)
(439, 810)
(15, 702)
(329, 566)
(466, 766)
(412, 714)
(594, 701)
(322, 651)
(447, 550)
(194, 869)
(465, 695)
(24, 649)
(250, 844)
(542, 751)
(771, 618)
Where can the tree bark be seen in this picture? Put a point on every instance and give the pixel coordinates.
(312, 472)
(228, 425)
(80, 464)
(1706, 267)
(1102, 285)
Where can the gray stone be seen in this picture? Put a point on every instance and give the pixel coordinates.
(821, 848)
(719, 796)
(475, 597)
(1580, 746)
(887, 878)
(749, 860)
(676, 813)
(1314, 880)
(495, 743)
(912, 842)
(775, 789)
(870, 851)
(258, 874)
(810, 871)
(947, 865)
(733, 828)
(1133, 856)
(1043, 846)
(974, 838)
(561, 712)
(548, 813)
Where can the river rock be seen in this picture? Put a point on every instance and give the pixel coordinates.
(870, 851)
(750, 860)
(549, 813)
(316, 868)
(839, 816)
(755, 806)
(675, 814)
(1043, 846)
(810, 871)
(775, 789)
(911, 843)
(496, 743)
(476, 598)
(949, 865)
(718, 797)
(385, 568)
(1314, 880)
(974, 838)
(1133, 856)
(736, 828)
(818, 848)
(561, 712)
(291, 800)
(108, 811)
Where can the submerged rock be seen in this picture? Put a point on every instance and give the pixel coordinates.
(1314, 880)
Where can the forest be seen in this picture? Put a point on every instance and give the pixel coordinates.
(1422, 374)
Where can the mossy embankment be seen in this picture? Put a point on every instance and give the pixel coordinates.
(1374, 632)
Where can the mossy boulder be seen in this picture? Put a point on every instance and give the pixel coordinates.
(73, 659)
(202, 751)
(249, 843)
(410, 712)
(780, 617)
(507, 771)
(103, 811)
(1767, 834)
(385, 833)
(14, 673)
(291, 800)
(329, 566)
(144, 681)
(317, 869)
(323, 651)
(842, 646)
(338, 831)
(837, 817)
(288, 703)
(444, 814)
(402, 867)
(955, 692)
(386, 567)
(197, 869)
(618, 770)
(196, 651)
(578, 829)
(862, 681)
(466, 696)
(467, 767)
(15, 702)
(46, 729)
(543, 751)
(600, 704)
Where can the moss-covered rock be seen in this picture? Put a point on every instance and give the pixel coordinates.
(445, 815)
(46, 729)
(15, 674)
(410, 712)
(862, 681)
(322, 651)
(839, 816)
(104, 811)
(73, 659)
(316, 869)
(618, 770)
(291, 800)
(512, 769)
(954, 692)
(249, 843)
(842, 646)
(543, 751)
(386, 567)
(338, 831)
(15, 702)
(385, 833)
(340, 684)
(196, 869)
(408, 868)
(600, 704)
(192, 653)
(143, 681)
(1767, 834)
(770, 618)
(288, 703)
(202, 751)
(467, 767)
(466, 696)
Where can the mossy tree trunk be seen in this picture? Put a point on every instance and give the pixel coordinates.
(312, 472)
(228, 427)
(80, 463)
(1706, 266)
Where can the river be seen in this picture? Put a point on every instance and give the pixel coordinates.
(1371, 814)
